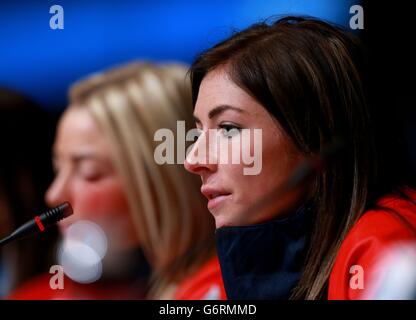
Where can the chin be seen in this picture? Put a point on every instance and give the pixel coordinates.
(221, 222)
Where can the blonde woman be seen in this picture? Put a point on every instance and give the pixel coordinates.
(105, 167)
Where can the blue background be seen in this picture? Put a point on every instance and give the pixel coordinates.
(42, 63)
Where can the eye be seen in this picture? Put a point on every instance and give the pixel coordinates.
(89, 171)
(90, 176)
(229, 130)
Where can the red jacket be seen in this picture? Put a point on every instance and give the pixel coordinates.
(205, 284)
(374, 233)
(39, 289)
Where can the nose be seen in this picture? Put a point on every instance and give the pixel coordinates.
(202, 157)
(58, 191)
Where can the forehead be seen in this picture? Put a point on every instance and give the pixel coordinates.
(77, 130)
(217, 88)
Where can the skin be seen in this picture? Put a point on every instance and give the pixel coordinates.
(240, 192)
(86, 177)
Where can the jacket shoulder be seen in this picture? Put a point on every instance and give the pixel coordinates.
(391, 221)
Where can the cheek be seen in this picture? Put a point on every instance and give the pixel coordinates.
(99, 201)
(279, 157)
(277, 162)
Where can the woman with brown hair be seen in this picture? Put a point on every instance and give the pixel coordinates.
(334, 189)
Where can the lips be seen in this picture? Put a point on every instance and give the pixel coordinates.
(215, 196)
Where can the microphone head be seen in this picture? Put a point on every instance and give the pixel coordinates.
(66, 209)
(40, 222)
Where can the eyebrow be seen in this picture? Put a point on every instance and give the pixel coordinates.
(218, 110)
(77, 158)
(86, 156)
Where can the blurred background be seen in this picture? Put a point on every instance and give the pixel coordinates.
(41, 63)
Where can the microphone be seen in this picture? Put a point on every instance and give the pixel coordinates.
(40, 222)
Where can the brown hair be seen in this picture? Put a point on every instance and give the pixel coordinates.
(309, 75)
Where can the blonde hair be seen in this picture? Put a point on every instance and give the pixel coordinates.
(130, 103)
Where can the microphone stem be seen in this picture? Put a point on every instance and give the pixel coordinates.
(6, 240)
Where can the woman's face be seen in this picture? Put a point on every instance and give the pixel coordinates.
(222, 105)
(86, 177)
